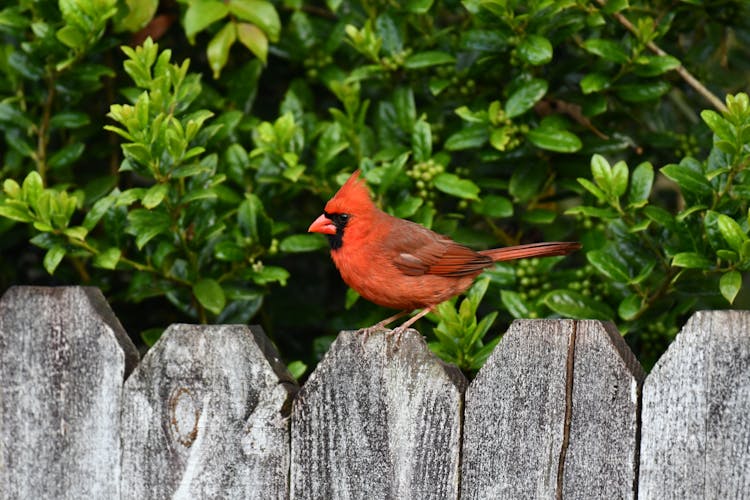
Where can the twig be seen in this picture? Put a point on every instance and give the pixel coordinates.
(684, 73)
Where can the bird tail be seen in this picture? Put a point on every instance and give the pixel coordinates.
(547, 249)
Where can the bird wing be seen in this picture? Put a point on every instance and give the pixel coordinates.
(419, 251)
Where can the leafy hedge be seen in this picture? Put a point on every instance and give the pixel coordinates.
(183, 185)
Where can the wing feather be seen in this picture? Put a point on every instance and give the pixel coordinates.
(421, 251)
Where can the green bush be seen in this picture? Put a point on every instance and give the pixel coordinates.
(183, 185)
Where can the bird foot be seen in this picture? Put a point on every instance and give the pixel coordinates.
(397, 333)
(366, 332)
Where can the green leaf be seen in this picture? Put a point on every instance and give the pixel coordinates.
(711, 227)
(17, 212)
(69, 120)
(641, 183)
(540, 216)
(514, 304)
(596, 212)
(608, 262)
(688, 179)
(76, 232)
(139, 13)
(108, 259)
(656, 65)
(151, 335)
(629, 307)
(229, 251)
(613, 6)
(594, 82)
(72, 36)
(32, 188)
(13, 115)
(427, 59)
(494, 206)
(145, 225)
(728, 255)
(619, 179)
(210, 295)
(732, 232)
(12, 188)
(691, 260)
(418, 6)
(592, 188)
(526, 182)
(730, 284)
(642, 92)
(270, 274)
(525, 97)
(660, 216)
(53, 257)
(297, 368)
(553, 139)
(408, 207)
(253, 220)
(200, 14)
(155, 195)
(453, 185)
(259, 12)
(720, 126)
(601, 171)
(606, 49)
(535, 50)
(303, 243)
(218, 47)
(421, 141)
(575, 305)
(473, 136)
(254, 39)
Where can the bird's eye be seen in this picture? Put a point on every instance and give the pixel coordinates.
(340, 220)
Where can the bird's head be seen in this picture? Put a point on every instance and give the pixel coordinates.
(349, 208)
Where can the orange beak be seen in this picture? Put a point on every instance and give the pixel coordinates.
(322, 225)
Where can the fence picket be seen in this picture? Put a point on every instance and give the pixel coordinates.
(553, 413)
(695, 441)
(378, 419)
(63, 358)
(602, 455)
(206, 415)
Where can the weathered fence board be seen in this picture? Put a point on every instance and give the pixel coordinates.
(515, 412)
(378, 419)
(211, 412)
(553, 413)
(602, 455)
(63, 358)
(695, 441)
(206, 415)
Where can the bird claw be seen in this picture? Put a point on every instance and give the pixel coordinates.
(366, 332)
(397, 333)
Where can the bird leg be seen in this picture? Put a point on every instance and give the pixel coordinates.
(399, 331)
(381, 325)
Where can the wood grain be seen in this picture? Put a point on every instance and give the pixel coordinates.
(206, 415)
(695, 441)
(63, 358)
(378, 419)
(553, 414)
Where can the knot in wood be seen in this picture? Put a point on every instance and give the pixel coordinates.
(184, 412)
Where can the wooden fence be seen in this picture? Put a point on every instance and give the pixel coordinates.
(561, 410)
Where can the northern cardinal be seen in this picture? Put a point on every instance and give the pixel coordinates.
(399, 264)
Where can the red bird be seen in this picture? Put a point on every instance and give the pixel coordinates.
(399, 264)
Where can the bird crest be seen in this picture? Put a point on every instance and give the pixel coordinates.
(353, 196)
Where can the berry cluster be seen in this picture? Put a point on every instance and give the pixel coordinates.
(423, 174)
